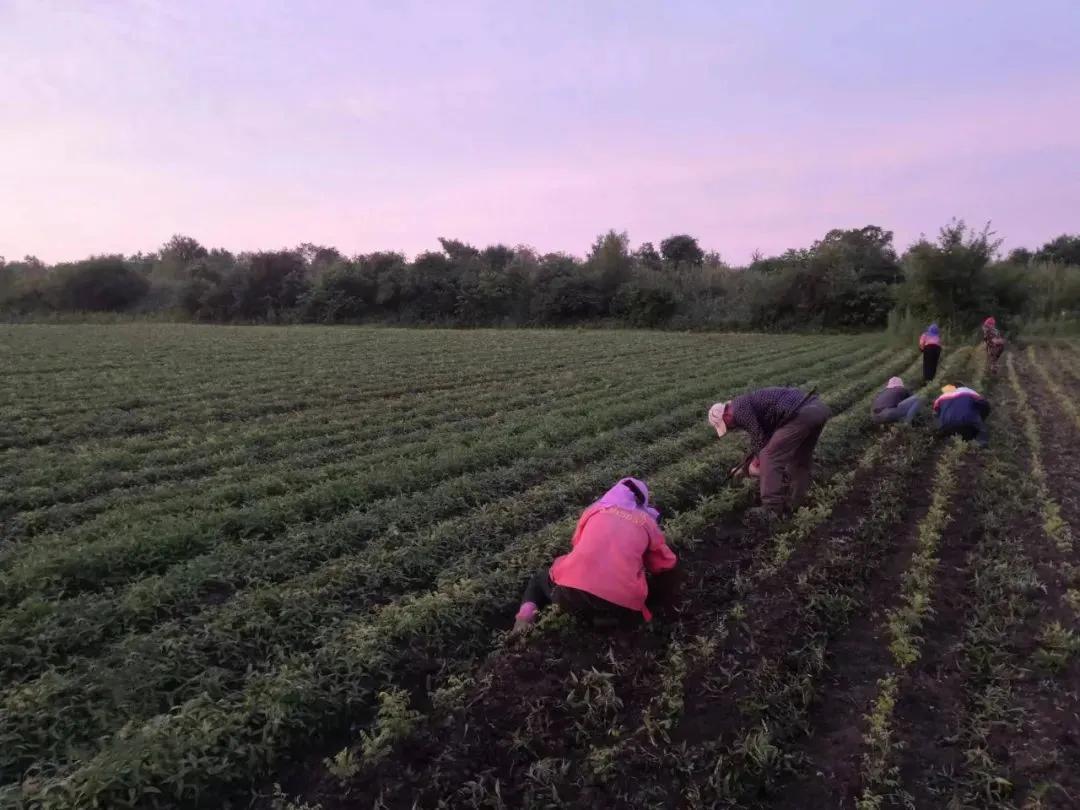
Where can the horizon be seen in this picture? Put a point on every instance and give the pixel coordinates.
(250, 127)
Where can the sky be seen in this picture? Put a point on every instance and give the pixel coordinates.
(385, 125)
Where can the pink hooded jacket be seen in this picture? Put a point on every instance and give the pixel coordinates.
(616, 542)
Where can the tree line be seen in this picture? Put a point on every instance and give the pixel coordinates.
(848, 279)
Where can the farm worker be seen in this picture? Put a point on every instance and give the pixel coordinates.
(995, 342)
(930, 346)
(894, 404)
(616, 543)
(962, 412)
(784, 425)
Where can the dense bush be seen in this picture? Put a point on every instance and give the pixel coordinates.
(849, 279)
(956, 280)
(99, 284)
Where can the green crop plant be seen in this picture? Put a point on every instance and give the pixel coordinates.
(1066, 402)
(220, 547)
(665, 708)
(1055, 527)
(1057, 645)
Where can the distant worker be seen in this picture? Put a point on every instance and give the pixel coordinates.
(995, 342)
(784, 425)
(962, 412)
(616, 543)
(895, 404)
(930, 346)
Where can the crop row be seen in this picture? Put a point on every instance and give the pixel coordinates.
(260, 390)
(902, 625)
(828, 592)
(841, 438)
(97, 557)
(337, 674)
(380, 427)
(286, 555)
(783, 686)
(242, 401)
(1063, 399)
(1002, 585)
(335, 590)
(332, 491)
(333, 453)
(132, 454)
(266, 389)
(1053, 524)
(1066, 361)
(368, 359)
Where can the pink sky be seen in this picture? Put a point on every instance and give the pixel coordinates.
(385, 125)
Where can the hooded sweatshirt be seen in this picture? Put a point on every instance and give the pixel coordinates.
(616, 542)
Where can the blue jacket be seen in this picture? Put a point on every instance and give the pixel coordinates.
(961, 408)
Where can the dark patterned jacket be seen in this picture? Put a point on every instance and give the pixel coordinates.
(761, 412)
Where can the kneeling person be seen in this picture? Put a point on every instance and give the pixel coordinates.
(784, 425)
(617, 541)
(894, 404)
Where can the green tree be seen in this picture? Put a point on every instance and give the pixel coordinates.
(682, 250)
(648, 258)
(182, 249)
(867, 252)
(610, 260)
(1063, 250)
(460, 253)
(1020, 255)
(103, 283)
(946, 280)
(319, 258)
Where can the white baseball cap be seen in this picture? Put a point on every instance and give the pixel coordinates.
(716, 418)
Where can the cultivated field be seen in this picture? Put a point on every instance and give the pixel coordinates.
(231, 557)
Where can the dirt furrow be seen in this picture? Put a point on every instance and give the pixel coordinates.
(931, 695)
(830, 758)
(1045, 758)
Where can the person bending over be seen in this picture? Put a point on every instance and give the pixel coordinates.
(962, 412)
(784, 425)
(617, 542)
(894, 404)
